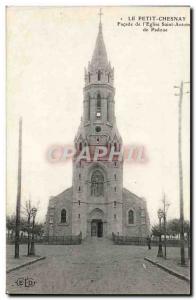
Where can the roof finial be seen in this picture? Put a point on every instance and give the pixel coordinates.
(100, 14)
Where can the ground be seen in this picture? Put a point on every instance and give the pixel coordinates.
(95, 267)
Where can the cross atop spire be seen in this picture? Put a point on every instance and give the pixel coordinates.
(100, 14)
(99, 59)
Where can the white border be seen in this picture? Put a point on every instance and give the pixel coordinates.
(3, 5)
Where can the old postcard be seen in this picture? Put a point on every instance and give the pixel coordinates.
(98, 150)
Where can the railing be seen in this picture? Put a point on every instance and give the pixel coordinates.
(50, 240)
(142, 241)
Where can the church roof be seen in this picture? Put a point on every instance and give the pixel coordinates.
(99, 58)
(65, 195)
(127, 193)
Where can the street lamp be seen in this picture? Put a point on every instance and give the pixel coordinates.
(32, 250)
(160, 216)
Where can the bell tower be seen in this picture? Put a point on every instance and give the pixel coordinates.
(97, 185)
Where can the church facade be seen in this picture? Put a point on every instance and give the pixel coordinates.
(97, 204)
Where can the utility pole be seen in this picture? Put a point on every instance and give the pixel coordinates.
(181, 93)
(18, 201)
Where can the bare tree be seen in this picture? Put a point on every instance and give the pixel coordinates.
(29, 213)
(166, 205)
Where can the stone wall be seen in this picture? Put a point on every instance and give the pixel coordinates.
(54, 226)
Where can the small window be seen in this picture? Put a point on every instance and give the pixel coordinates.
(98, 115)
(114, 203)
(115, 176)
(79, 202)
(80, 146)
(79, 188)
(115, 188)
(115, 216)
(131, 217)
(51, 221)
(63, 216)
(89, 77)
(115, 146)
(78, 216)
(79, 176)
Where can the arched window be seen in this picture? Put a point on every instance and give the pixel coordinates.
(63, 216)
(80, 146)
(131, 217)
(99, 75)
(97, 181)
(115, 146)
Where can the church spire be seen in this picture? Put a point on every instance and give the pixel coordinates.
(99, 69)
(99, 58)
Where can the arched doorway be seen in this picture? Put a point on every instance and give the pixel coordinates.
(96, 224)
(97, 228)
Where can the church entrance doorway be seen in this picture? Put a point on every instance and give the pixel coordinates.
(97, 228)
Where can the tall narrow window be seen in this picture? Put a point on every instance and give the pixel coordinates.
(108, 110)
(131, 217)
(97, 181)
(99, 75)
(115, 146)
(89, 108)
(80, 146)
(108, 77)
(98, 102)
(89, 77)
(98, 112)
(63, 216)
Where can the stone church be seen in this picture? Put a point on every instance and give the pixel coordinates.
(97, 204)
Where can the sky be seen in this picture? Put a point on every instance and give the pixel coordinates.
(47, 50)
